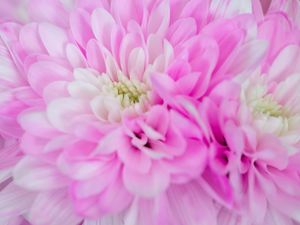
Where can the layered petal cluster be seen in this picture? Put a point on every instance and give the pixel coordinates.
(256, 134)
(155, 112)
(102, 130)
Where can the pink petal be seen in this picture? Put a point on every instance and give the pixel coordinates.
(55, 90)
(285, 63)
(189, 204)
(97, 184)
(132, 10)
(42, 73)
(53, 38)
(135, 159)
(61, 112)
(75, 56)
(83, 90)
(48, 11)
(36, 123)
(102, 23)
(80, 27)
(33, 174)
(53, 208)
(30, 32)
(181, 30)
(14, 201)
(235, 142)
(257, 199)
(95, 56)
(146, 185)
(116, 193)
(159, 19)
(248, 56)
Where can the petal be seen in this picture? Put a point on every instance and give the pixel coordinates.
(55, 90)
(36, 123)
(135, 159)
(146, 185)
(53, 208)
(133, 10)
(83, 90)
(181, 30)
(189, 204)
(272, 152)
(235, 142)
(43, 73)
(34, 174)
(129, 42)
(32, 145)
(80, 27)
(287, 205)
(203, 53)
(115, 193)
(284, 63)
(61, 112)
(257, 199)
(162, 124)
(249, 57)
(102, 23)
(164, 85)
(197, 10)
(97, 184)
(54, 39)
(136, 64)
(217, 186)
(188, 165)
(95, 56)
(159, 19)
(108, 143)
(75, 56)
(14, 201)
(51, 11)
(30, 32)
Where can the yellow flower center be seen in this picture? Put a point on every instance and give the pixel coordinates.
(131, 92)
(268, 107)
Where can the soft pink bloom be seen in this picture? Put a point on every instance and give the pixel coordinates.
(85, 109)
(256, 134)
(103, 99)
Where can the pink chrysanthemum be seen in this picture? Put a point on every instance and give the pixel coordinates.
(148, 113)
(256, 136)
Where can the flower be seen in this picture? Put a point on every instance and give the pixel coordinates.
(100, 128)
(153, 112)
(262, 112)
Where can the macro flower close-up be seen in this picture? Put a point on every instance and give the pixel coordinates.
(149, 112)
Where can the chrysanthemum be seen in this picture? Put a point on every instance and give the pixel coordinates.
(107, 131)
(256, 136)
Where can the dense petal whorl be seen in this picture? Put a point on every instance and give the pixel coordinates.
(263, 114)
(153, 112)
(101, 122)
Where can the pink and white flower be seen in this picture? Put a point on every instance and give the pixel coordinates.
(100, 126)
(153, 112)
(256, 135)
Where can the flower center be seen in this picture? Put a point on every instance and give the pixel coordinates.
(111, 96)
(129, 92)
(269, 115)
(122, 94)
(268, 107)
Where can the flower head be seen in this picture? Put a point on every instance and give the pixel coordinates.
(100, 128)
(148, 112)
(262, 112)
